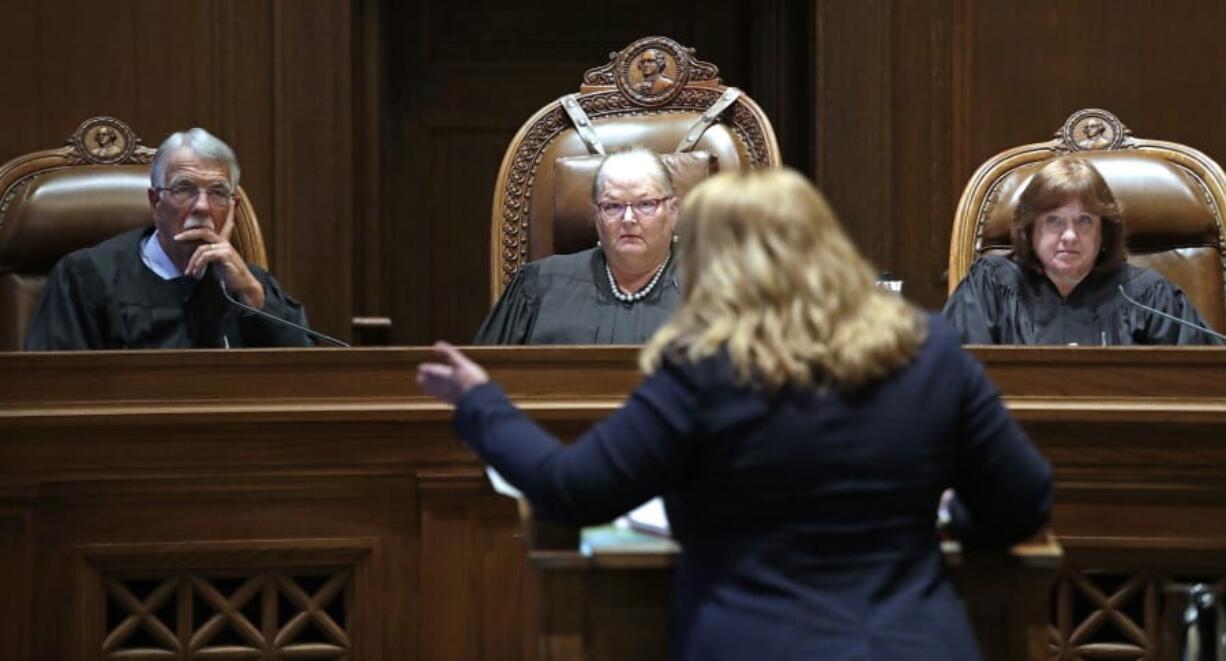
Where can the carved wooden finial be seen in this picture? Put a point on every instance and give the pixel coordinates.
(652, 71)
(1091, 129)
(105, 140)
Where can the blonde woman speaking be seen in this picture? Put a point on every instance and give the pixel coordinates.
(802, 426)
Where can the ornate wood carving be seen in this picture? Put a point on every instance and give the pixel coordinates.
(1100, 615)
(1128, 613)
(190, 615)
(1093, 128)
(681, 59)
(106, 141)
(282, 599)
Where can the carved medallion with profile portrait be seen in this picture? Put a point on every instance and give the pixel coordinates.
(652, 71)
(1092, 129)
(104, 140)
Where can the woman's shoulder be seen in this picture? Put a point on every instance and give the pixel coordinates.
(996, 274)
(566, 264)
(939, 331)
(573, 266)
(712, 368)
(1139, 278)
(998, 268)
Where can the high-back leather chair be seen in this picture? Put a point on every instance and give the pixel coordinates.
(55, 201)
(652, 93)
(1173, 197)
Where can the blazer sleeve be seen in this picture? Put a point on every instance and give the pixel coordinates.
(619, 464)
(1003, 487)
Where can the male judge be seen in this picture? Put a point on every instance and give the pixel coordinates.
(160, 287)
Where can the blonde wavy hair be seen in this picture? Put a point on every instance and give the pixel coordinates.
(769, 277)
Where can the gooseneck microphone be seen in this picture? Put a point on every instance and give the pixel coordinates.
(1184, 322)
(216, 273)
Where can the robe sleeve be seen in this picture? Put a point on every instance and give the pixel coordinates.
(1150, 328)
(256, 331)
(69, 314)
(513, 317)
(975, 307)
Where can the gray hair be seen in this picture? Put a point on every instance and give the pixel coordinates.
(653, 166)
(201, 143)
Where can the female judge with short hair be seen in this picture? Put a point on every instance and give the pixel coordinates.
(1062, 283)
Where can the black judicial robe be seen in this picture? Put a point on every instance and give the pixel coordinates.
(1002, 301)
(104, 297)
(566, 299)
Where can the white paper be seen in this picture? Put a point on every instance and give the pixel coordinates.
(500, 485)
(649, 518)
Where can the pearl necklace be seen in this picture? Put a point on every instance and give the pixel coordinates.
(642, 293)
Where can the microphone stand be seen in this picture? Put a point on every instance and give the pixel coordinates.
(310, 333)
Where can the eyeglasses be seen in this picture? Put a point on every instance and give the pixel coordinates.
(615, 210)
(185, 193)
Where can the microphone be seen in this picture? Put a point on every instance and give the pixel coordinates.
(1183, 322)
(221, 280)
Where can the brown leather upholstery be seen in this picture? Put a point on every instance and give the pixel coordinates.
(622, 112)
(1172, 196)
(56, 201)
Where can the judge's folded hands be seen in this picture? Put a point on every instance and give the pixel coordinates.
(449, 380)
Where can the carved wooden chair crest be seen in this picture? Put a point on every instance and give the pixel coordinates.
(1173, 197)
(55, 201)
(653, 93)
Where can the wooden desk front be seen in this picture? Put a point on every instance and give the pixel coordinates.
(314, 502)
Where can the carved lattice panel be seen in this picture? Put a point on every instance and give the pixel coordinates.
(256, 615)
(1128, 615)
(1100, 615)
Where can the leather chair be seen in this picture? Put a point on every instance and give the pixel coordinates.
(55, 201)
(653, 93)
(1173, 197)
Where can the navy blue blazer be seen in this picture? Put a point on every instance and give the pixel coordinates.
(806, 518)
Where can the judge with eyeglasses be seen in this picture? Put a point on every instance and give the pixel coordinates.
(618, 292)
(150, 288)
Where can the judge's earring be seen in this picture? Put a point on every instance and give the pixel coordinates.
(674, 238)
(598, 244)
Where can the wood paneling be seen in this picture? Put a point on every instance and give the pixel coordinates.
(883, 122)
(16, 557)
(314, 154)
